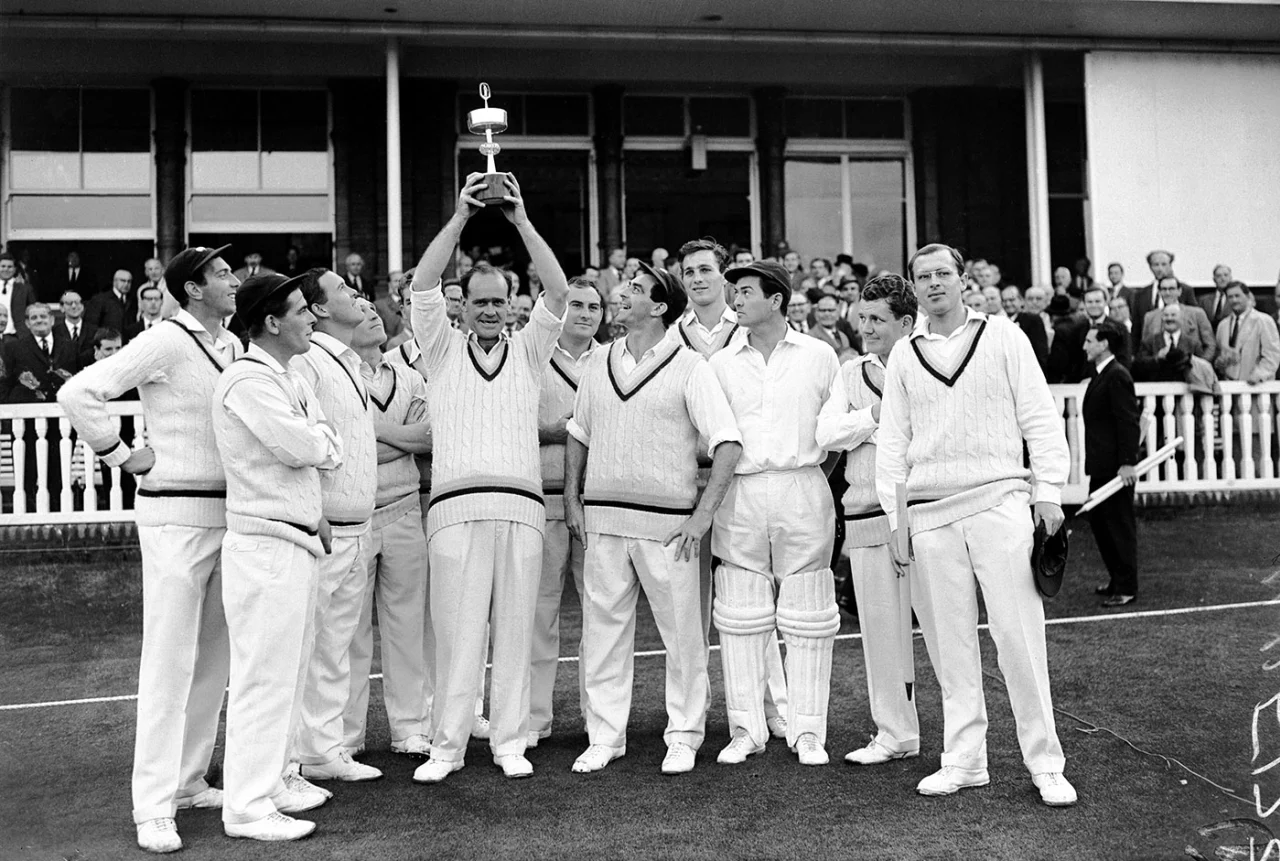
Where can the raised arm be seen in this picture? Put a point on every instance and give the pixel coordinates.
(430, 322)
(544, 259)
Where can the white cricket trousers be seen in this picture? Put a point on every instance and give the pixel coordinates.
(774, 532)
(344, 573)
(875, 585)
(397, 562)
(269, 590)
(615, 570)
(482, 571)
(562, 557)
(993, 546)
(184, 667)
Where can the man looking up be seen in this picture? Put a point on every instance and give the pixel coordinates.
(562, 554)
(274, 440)
(959, 400)
(332, 368)
(486, 516)
(775, 530)
(708, 326)
(181, 513)
(637, 520)
(887, 315)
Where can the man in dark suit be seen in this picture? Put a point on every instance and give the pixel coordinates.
(1031, 324)
(1201, 339)
(1111, 431)
(1096, 313)
(71, 329)
(35, 367)
(1143, 299)
(73, 276)
(833, 329)
(1066, 361)
(116, 308)
(1216, 307)
(359, 280)
(14, 294)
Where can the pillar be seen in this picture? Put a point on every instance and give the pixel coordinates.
(607, 99)
(1037, 171)
(771, 146)
(395, 228)
(171, 164)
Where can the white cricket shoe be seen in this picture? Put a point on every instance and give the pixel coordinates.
(341, 767)
(738, 749)
(480, 728)
(777, 726)
(680, 759)
(274, 828)
(414, 745)
(436, 770)
(596, 757)
(1055, 790)
(810, 750)
(295, 782)
(514, 765)
(950, 779)
(159, 835)
(209, 799)
(875, 753)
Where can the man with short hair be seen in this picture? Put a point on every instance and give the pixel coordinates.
(116, 308)
(1111, 419)
(357, 279)
(798, 312)
(274, 441)
(1145, 299)
(1097, 312)
(73, 277)
(1248, 343)
(181, 512)
(1061, 280)
(1115, 275)
(828, 328)
(994, 305)
(1118, 311)
(611, 273)
(1037, 301)
(775, 531)
(1216, 307)
(1200, 336)
(562, 553)
(887, 314)
(15, 296)
(486, 516)
(743, 257)
(150, 301)
(72, 329)
(960, 400)
(521, 308)
(396, 559)
(707, 327)
(154, 271)
(637, 520)
(348, 492)
(1031, 325)
(453, 303)
(252, 267)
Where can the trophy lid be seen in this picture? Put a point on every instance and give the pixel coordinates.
(486, 119)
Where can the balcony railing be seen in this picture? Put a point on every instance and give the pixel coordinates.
(1231, 442)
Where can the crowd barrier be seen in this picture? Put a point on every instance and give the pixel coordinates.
(1231, 442)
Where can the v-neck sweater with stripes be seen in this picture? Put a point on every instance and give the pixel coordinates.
(175, 372)
(851, 427)
(348, 492)
(484, 417)
(559, 387)
(391, 395)
(954, 429)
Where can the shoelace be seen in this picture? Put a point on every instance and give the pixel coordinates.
(161, 825)
(809, 743)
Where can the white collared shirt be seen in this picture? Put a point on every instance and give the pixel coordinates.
(628, 362)
(728, 317)
(221, 342)
(1108, 360)
(776, 403)
(949, 346)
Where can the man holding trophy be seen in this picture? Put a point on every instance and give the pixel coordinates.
(485, 518)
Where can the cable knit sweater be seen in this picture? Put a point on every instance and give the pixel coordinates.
(958, 446)
(483, 410)
(397, 396)
(174, 366)
(846, 423)
(408, 355)
(642, 430)
(333, 371)
(559, 387)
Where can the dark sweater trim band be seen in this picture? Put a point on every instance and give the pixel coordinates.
(502, 363)
(867, 515)
(111, 450)
(564, 375)
(950, 381)
(491, 488)
(613, 379)
(866, 378)
(178, 494)
(381, 405)
(638, 506)
(216, 364)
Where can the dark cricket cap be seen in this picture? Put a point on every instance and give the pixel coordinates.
(677, 296)
(767, 270)
(186, 265)
(1049, 559)
(258, 289)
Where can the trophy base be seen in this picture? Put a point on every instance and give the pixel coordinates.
(495, 188)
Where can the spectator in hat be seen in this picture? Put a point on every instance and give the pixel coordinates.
(1066, 362)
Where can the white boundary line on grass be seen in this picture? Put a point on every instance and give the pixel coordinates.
(1071, 620)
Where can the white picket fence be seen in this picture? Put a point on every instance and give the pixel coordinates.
(1230, 444)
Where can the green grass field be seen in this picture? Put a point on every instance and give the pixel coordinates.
(1180, 685)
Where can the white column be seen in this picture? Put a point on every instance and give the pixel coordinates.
(1037, 171)
(395, 253)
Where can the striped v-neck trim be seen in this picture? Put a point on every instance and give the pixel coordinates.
(472, 348)
(639, 379)
(866, 378)
(964, 363)
(383, 406)
(565, 373)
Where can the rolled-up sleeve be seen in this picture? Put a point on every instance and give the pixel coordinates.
(709, 409)
(431, 328)
(538, 338)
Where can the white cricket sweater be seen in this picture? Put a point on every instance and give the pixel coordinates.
(175, 367)
(692, 334)
(483, 409)
(954, 430)
(847, 424)
(409, 356)
(333, 371)
(559, 387)
(642, 432)
(265, 494)
(397, 396)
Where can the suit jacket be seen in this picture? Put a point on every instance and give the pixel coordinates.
(1196, 330)
(21, 295)
(52, 288)
(1111, 422)
(134, 328)
(1208, 302)
(367, 286)
(106, 311)
(1141, 299)
(1257, 348)
(1066, 357)
(1173, 368)
(836, 339)
(243, 272)
(30, 375)
(83, 345)
(1033, 327)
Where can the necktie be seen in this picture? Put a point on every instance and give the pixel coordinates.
(4, 290)
(75, 332)
(253, 270)
(44, 346)
(1217, 311)
(71, 276)
(1235, 330)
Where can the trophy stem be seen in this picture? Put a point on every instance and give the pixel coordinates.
(488, 137)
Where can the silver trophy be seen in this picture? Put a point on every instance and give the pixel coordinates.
(489, 122)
